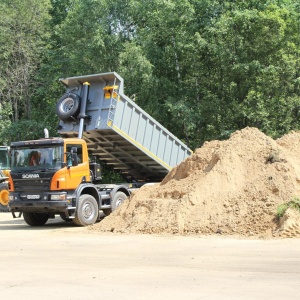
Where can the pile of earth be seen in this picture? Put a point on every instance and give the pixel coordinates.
(231, 187)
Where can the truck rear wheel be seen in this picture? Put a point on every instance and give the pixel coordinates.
(117, 200)
(68, 106)
(87, 211)
(35, 219)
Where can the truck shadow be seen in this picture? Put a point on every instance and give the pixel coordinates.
(15, 224)
(20, 224)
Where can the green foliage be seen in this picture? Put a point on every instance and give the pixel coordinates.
(202, 68)
(109, 175)
(294, 203)
(89, 41)
(163, 31)
(5, 112)
(23, 130)
(59, 11)
(23, 35)
(252, 67)
(136, 70)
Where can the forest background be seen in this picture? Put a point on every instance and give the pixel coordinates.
(202, 68)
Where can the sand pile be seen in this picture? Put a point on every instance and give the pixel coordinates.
(231, 187)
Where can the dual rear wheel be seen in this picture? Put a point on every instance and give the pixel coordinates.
(117, 200)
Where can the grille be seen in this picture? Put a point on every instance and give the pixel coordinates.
(32, 185)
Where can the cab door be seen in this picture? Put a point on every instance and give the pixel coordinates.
(77, 173)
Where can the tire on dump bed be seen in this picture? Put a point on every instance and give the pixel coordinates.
(68, 106)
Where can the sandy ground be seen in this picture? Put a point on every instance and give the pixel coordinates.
(61, 261)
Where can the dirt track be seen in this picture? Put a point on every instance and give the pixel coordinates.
(60, 261)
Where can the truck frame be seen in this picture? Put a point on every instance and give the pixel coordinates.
(98, 122)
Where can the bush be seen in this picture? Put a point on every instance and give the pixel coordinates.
(294, 203)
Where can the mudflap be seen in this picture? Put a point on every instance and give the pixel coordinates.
(16, 216)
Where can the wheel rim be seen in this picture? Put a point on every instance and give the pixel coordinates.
(88, 211)
(67, 104)
(119, 202)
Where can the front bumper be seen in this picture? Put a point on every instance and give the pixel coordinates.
(42, 202)
(39, 206)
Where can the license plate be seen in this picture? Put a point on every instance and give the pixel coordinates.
(31, 197)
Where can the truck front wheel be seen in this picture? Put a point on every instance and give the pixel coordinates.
(87, 211)
(35, 219)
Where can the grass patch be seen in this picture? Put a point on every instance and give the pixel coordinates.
(294, 203)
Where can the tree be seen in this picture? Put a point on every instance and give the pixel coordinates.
(164, 32)
(88, 44)
(21, 131)
(22, 37)
(252, 66)
(136, 70)
(202, 68)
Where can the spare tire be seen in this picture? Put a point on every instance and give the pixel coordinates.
(68, 106)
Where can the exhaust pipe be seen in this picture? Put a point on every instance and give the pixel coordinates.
(46, 133)
(82, 114)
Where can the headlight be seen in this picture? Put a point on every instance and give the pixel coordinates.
(58, 197)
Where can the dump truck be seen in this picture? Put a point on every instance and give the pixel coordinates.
(98, 123)
(4, 172)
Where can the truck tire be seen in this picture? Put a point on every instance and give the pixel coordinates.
(68, 106)
(87, 211)
(118, 199)
(35, 219)
(4, 197)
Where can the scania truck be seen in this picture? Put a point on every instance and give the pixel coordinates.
(97, 122)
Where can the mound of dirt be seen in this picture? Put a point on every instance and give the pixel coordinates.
(230, 187)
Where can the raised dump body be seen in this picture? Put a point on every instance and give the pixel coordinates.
(119, 132)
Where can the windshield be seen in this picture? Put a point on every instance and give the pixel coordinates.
(4, 162)
(36, 158)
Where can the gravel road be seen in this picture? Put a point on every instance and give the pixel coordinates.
(61, 261)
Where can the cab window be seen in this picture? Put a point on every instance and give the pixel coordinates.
(79, 151)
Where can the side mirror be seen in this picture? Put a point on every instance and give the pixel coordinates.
(72, 158)
(69, 160)
(75, 159)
